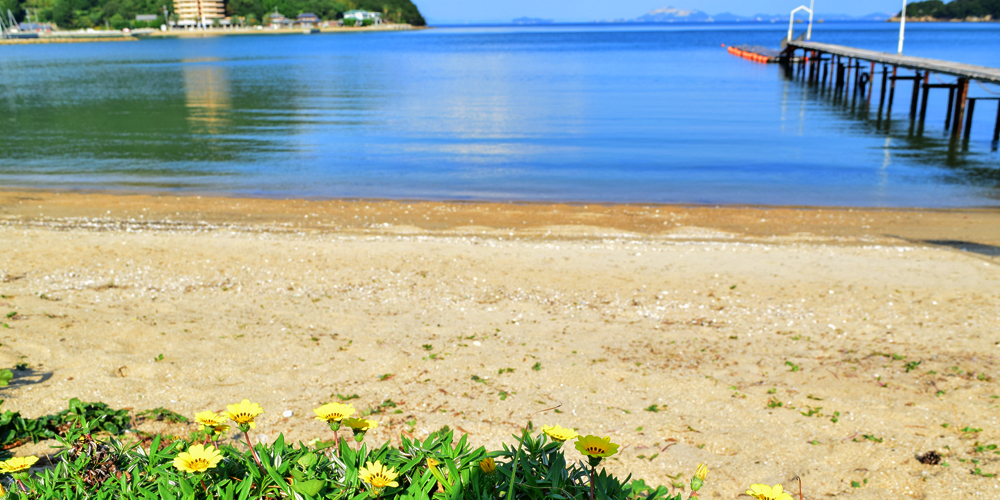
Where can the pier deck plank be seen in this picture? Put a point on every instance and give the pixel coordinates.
(970, 71)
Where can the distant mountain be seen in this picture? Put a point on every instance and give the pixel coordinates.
(671, 15)
(531, 20)
(729, 17)
(877, 16)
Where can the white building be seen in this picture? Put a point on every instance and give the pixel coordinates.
(361, 15)
(198, 12)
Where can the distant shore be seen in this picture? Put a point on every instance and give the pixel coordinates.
(184, 33)
(118, 36)
(929, 19)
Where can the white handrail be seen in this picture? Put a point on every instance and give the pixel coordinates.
(902, 28)
(791, 19)
(809, 32)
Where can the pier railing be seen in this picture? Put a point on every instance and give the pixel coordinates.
(791, 20)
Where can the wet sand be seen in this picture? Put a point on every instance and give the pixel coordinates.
(829, 344)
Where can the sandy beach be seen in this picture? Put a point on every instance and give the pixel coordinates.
(829, 344)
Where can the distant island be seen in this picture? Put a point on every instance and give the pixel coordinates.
(532, 20)
(117, 14)
(956, 10)
(675, 15)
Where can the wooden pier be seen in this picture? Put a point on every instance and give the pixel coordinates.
(851, 71)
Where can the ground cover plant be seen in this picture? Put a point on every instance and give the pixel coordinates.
(345, 467)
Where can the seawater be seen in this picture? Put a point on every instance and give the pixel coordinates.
(580, 113)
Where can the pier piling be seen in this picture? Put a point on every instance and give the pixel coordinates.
(923, 105)
(915, 98)
(846, 71)
(961, 95)
(871, 81)
(892, 92)
(996, 128)
(951, 105)
(968, 118)
(881, 98)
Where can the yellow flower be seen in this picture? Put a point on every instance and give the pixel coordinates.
(596, 447)
(765, 492)
(334, 412)
(17, 464)
(701, 471)
(211, 420)
(243, 413)
(198, 458)
(432, 464)
(378, 475)
(699, 477)
(488, 466)
(558, 433)
(360, 424)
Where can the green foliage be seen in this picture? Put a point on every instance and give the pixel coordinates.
(92, 416)
(350, 21)
(15, 6)
(5, 377)
(392, 10)
(923, 9)
(956, 9)
(77, 14)
(438, 467)
(164, 415)
(537, 470)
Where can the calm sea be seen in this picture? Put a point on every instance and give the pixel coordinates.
(588, 113)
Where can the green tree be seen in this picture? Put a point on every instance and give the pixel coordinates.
(956, 9)
(15, 6)
(930, 8)
(63, 15)
(118, 21)
(410, 13)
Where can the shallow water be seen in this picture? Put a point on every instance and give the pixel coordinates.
(591, 113)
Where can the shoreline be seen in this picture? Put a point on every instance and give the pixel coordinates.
(842, 225)
(112, 36)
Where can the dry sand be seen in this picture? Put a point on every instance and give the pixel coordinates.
(707, 315)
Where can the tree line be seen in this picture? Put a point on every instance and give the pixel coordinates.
(117, 14)
(956, 9)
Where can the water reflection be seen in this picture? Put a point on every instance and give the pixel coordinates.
(207, 97)
(907, 138)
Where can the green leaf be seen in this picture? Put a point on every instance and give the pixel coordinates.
(311, 487)
(307, 460)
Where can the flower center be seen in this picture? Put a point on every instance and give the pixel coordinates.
(198, 463)
(595, 450)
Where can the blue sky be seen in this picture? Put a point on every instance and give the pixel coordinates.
(438, 11)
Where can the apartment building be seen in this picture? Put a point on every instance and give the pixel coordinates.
(199, 12)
